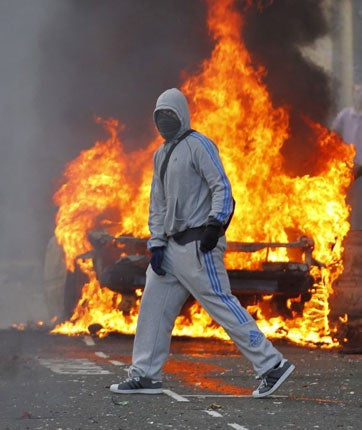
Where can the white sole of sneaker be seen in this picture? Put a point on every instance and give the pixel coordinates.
(114, 389)
(285, 375)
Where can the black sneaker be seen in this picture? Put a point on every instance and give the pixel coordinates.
(274, 379)
(137, 384)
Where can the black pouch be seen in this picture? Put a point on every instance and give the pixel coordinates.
(192, 234)
(189, 235)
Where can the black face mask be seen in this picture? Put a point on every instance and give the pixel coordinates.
(167, 125)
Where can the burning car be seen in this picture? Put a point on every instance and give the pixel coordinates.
(120, 264)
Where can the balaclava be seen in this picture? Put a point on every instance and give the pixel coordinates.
(167, 124)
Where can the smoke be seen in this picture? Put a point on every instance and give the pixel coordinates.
(64, 62)
(114, 58)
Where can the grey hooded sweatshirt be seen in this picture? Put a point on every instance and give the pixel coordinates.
(195, 190)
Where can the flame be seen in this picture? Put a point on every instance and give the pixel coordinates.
(107, 187)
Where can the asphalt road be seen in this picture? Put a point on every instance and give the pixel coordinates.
(61, 383)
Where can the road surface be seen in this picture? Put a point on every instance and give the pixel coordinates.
(62, 383)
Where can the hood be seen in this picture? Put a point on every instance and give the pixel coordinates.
(175, 100)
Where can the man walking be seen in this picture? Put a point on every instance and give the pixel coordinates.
(191, 205)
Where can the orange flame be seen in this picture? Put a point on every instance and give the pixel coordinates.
(230, 104)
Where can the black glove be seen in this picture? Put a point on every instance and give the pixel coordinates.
(210, 237)
(156, 260)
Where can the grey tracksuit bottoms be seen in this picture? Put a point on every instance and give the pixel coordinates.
(189, 271)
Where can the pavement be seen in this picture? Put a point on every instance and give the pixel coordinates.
(62, 383)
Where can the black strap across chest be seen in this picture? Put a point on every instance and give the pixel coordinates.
(168, 155)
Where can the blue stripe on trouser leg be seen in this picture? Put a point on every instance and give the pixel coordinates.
(247, 337)
(216, 287)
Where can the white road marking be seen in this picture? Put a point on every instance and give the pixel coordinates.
(175, 396)
(184, 398)
(118, 363)
(237, 426)
(88, 340)
(231, 396)
(101, 354)
(214, 414)
(77, 366)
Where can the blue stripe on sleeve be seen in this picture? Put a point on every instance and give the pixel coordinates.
(227, 201)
